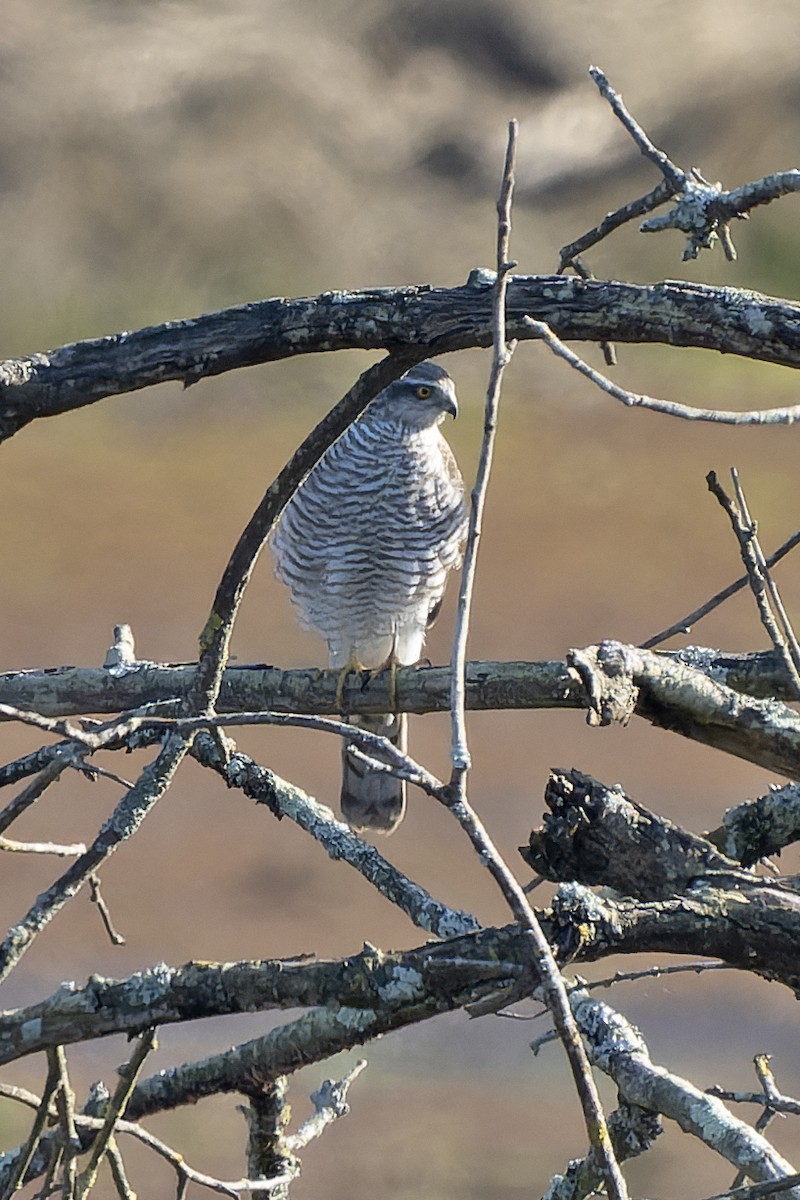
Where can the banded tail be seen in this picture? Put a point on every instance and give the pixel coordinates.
(374, 799)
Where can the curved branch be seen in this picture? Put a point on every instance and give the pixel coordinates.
(422, 319)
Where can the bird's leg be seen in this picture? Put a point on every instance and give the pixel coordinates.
(391, 666)
(351, 667)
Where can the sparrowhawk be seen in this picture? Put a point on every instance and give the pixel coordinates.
(365, 544)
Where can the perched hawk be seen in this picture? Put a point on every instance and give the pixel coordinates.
(365, 544)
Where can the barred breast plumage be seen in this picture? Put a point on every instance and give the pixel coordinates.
(365, 545)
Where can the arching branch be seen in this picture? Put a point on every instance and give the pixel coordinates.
(427, 319)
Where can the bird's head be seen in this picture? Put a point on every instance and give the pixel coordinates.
(420, 398)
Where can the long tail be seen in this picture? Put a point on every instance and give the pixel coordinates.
(374, 799)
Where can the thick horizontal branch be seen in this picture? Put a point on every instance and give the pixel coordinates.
(73, 691)
(756, 929)
(438, 976)
(435, 320)
(695, 693)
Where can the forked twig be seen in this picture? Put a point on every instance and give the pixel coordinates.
(776, 623)
(684, 625)
(123, 823)
(115, 1109)
(51, 1086)
(702, 210)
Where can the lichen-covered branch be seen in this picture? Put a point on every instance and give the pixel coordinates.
(621, 1053)
(71, 691)
(428, 320)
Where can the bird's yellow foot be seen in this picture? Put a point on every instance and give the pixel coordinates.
(351, 667)
(391, 667)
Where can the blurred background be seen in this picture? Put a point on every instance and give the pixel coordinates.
(158, 160)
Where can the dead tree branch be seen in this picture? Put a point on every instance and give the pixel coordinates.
(422, 321)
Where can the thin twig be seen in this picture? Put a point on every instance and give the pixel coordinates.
(541, 954)
(115, 1109)
(702, 210)
(759, 1191)
(115, 937)
(186, 1174)
(769, 583)
(51, 1086)
(123, 823)
(70, 1141)
(768, 416)
(675, 177)
(118, 1173)
(686, 623)
(330, 1103)
(772, 1098)
(92, 769)
(501, 356)
(628, 212)
(655, 972)
(36, 788)
(60, 850)
(753, 559)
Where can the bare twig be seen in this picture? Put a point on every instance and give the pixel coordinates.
(115, 1109)
(330, 1103)
(36, 788)
(703, 210)
(541, 955)
(759, 1191)
(186, 1174)
(770, 586)
(118, 1173)
(70, 1146)
(696, 968)
(26, 1153)
(58, 849)
(92, 770)
(501, 356)
(768, 416)
(674, 176)
(105, 916)
(124, 822)
(628, 212)
(784, 642)
(770, 1097)
(684, 625)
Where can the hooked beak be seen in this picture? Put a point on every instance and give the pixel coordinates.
(451, 403)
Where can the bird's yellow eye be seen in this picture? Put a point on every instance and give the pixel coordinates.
(423, 392)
